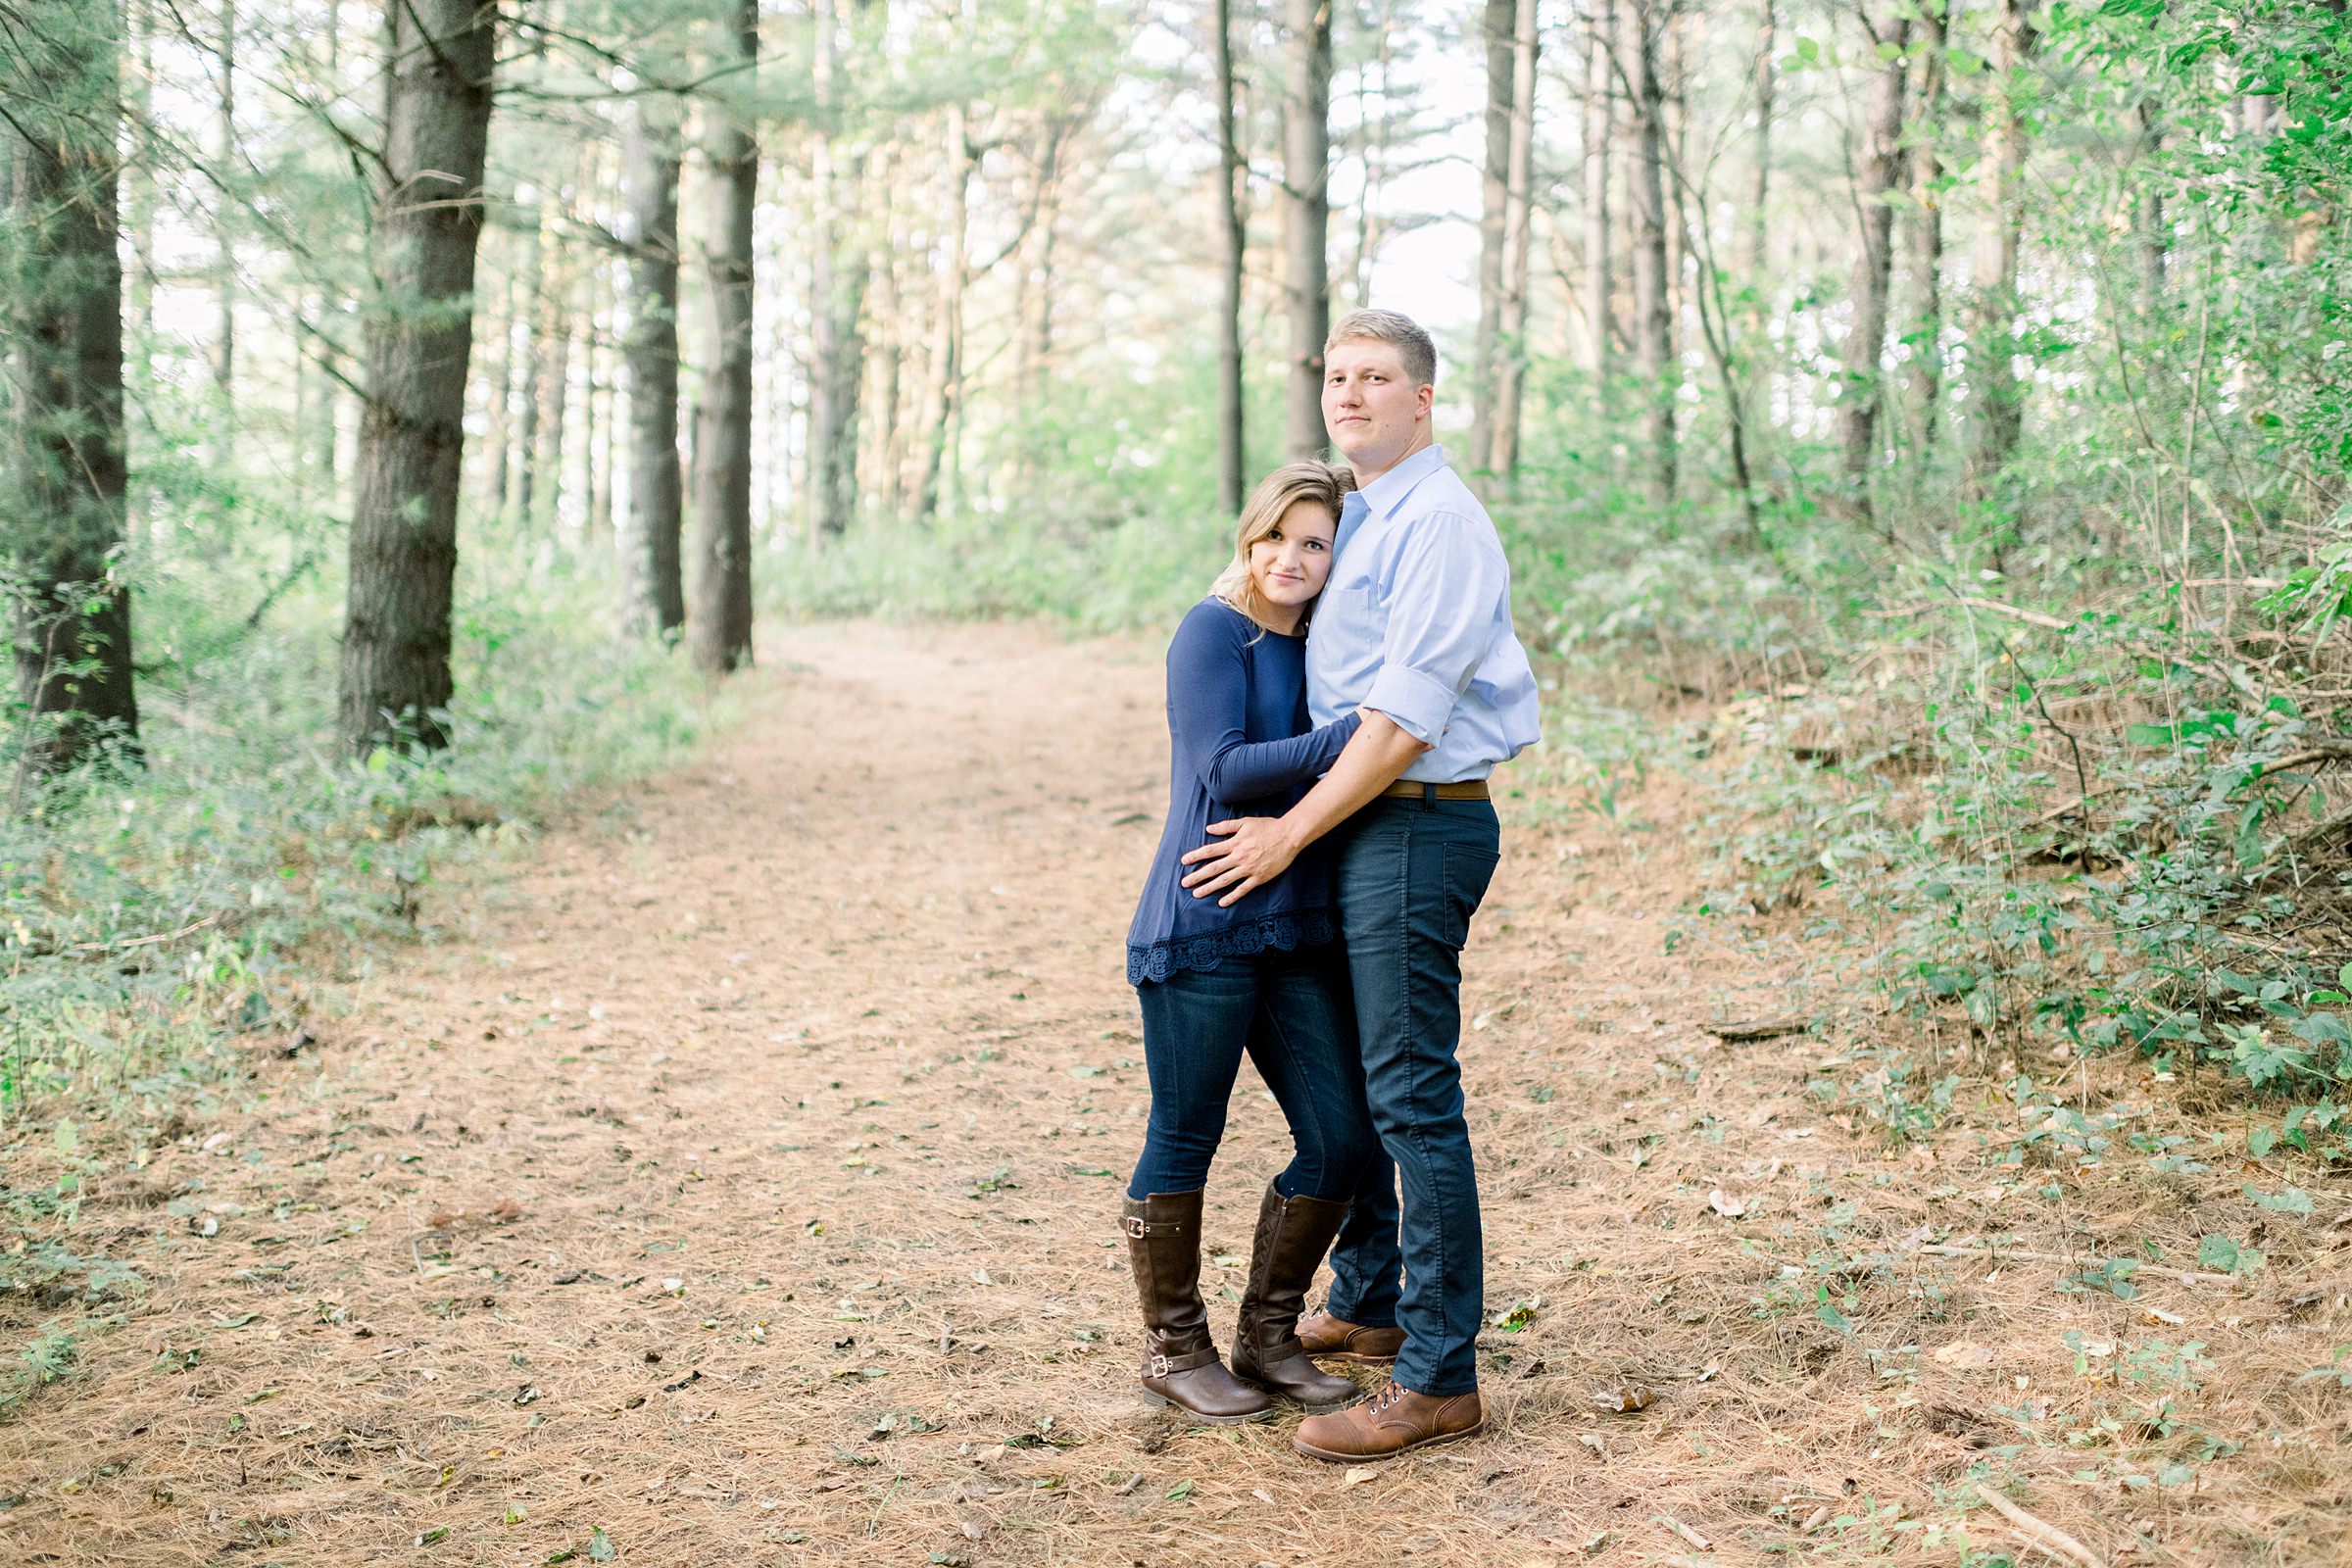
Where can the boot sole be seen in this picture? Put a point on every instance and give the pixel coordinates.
(1164, 1403)
(1326, 1455)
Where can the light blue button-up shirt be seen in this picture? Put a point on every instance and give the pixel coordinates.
(1416, 623)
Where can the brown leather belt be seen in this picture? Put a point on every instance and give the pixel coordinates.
(1469, 789)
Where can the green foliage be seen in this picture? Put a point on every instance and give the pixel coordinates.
(2051, 748)
(146, 914)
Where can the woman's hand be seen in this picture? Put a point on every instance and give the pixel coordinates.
(1250, 851)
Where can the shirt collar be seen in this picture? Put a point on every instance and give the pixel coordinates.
(1385, 494)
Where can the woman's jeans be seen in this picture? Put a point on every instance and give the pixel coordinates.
(1291, 1012)
(1410, 874)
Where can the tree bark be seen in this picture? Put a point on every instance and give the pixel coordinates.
(2148, 219)
(653, 590)
(531, 323)
(428, 222)
(1598, 283)
(718, 633)
(1998, 395)
(1760, 168)
(837, 292)
(1716, 334)
(1306, 214)
(885, 343)
(1927, 229)
(1232, 435)
(61, 171)
(1882, 166)
(597, 393)
(1033, 309)
(946, 384)
(552, 370)
(139, 201)
(1495, 197)
(1502, 457)
(1653, 309)
(225, 263)
(498, 424)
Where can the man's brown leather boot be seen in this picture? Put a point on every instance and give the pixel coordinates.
(1395, 1422)
(1180, 1360)
(1293, 1235)
(1338, 1340)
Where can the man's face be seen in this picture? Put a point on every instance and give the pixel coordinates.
(1371, 408)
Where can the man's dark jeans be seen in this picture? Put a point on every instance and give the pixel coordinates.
(1410, 874)
(1290, 1011)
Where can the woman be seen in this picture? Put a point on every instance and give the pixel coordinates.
(1262, 976)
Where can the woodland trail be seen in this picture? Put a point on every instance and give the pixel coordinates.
(743, 1190)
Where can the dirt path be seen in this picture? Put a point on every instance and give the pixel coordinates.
(744, 1192)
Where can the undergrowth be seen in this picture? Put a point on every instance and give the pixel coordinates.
(152, 911)
(2059, 802)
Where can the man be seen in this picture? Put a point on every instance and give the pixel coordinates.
(1415, 630)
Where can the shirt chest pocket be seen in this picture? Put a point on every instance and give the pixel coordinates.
(1351, 609)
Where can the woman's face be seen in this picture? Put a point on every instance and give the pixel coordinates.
(1290, 564)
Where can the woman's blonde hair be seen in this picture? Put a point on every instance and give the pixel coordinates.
(1326, 484)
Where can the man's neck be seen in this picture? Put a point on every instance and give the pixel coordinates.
(1420, 442)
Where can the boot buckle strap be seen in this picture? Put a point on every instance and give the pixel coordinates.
(1135, 1227)
(1161, 1363)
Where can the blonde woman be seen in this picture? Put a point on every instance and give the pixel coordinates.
(1261, 975)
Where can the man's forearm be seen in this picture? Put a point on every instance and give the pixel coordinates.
(1374, 756)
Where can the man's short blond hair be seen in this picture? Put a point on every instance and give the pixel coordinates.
(1400, 332)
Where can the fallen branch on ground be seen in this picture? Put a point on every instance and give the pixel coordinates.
(146, 941)
(2187, 1276)
(1686, 1531)
(1755, 1029)
(2048, 1536)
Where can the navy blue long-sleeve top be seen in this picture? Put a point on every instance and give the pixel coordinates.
(1238, 746)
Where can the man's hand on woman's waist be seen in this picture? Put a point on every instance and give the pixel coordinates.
(1252, 851)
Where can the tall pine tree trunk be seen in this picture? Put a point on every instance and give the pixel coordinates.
(1653, 301)
(885, 344)
(946, 384)
(1501, 26)
(224, 243)
(719, 632)
(60, 171)
(1755, 322)
(2148, 222)
(597, 465)
(1927, 229)
(531, 322)
(1599, 284)
(429, 221)
(1502, 457)
(1998, 395)
(1307, 220)
(498, 427)
(653, 591)
(552, 386)
(837, 292)
(1881, 170)
(1232, 437)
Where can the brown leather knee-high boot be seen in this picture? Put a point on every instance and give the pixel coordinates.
(1180, 1360)
(1293, 1235)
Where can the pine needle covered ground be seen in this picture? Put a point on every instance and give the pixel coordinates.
(737, 1184)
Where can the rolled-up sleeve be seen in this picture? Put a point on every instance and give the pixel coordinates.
(1448, 581)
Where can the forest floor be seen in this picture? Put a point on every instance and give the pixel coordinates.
(734, 1180)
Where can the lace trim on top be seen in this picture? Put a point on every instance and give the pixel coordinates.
(1299, 928)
